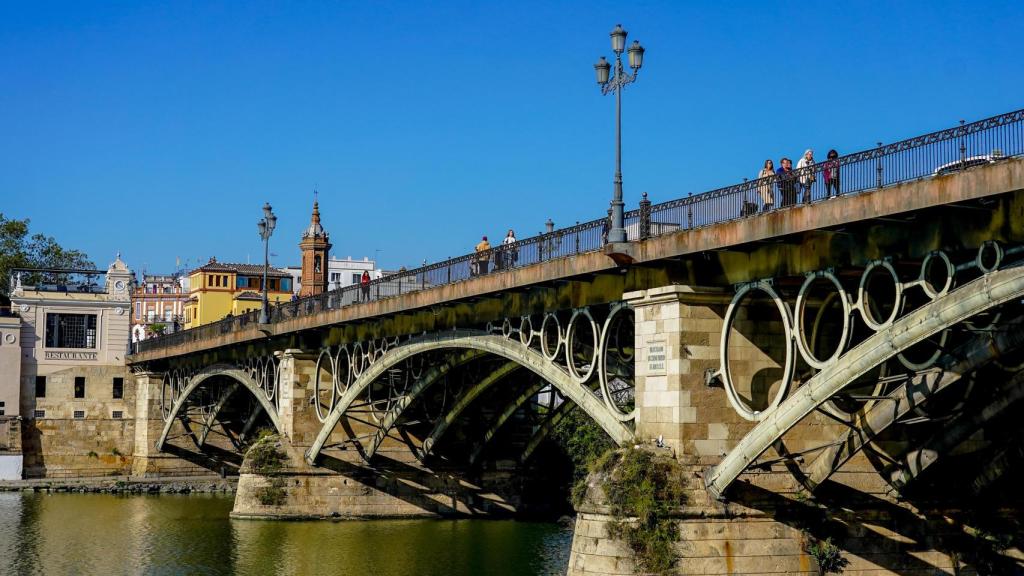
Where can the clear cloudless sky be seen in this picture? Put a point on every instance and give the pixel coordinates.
(159, 129)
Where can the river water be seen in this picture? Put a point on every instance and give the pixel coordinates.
(56, 534)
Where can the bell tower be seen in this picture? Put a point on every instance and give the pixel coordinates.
(315, 246)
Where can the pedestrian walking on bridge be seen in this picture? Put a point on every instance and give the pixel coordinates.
(482, 259)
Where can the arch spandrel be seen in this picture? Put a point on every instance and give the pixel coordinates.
(482, 341)
(237, 374)
(949, 309)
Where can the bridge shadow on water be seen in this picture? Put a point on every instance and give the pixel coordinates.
(882, 532)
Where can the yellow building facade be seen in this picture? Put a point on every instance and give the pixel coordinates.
(219, 289)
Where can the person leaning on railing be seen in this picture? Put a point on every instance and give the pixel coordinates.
(807, 177)
(509, 253)
(787, 183)
(831, 170)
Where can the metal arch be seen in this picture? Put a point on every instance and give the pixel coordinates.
(208, 424)
(395, 411)
(482, 341)
(931, 451)
(507, 413)
(238, 374)
(908, 397)
(461, 404)
(972, 298)
(545, 429)
(251, 421)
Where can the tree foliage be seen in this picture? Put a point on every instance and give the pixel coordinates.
(21, 249)
(583, 441)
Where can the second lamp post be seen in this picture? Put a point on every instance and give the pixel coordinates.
(266, 226)
(615, 84)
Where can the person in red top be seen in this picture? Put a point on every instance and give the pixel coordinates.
(364, 285)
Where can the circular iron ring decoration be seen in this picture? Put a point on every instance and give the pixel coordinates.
(342, 384)
(570, 339)
(979, 260)
(525, 330)
(801, 307)
(320, 415)
(544, 327)
(787, 374)
(926, 285)
(865, 305)
(602, 367)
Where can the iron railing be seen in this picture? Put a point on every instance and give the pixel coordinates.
(954, 149)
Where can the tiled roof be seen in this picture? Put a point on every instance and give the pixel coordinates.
(246, 269)
(248, 295)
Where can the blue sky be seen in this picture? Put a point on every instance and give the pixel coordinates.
(159, 130)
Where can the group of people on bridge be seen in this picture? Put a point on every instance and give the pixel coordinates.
(505, 257)
(791, 182)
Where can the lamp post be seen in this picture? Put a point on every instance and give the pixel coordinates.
(266, 227)
(615, 84)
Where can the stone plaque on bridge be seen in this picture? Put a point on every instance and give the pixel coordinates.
(656, 358)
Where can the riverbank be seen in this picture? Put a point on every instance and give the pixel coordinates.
(211, 484)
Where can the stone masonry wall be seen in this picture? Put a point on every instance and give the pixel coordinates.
(67, 436)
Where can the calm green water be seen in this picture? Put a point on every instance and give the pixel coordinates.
(56, 534)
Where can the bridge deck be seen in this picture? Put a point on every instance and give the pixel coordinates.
(979, 182)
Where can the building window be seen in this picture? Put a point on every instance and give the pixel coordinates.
(118, 387)
(39, 414)
(335, 276)
(316, 263)
(79, 386)
(79, 414)
(286, 284)
(117, 415)
(40, 386)
(70, 330)
(242, 282)
(356, 278)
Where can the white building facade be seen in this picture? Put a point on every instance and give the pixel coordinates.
(340, 273)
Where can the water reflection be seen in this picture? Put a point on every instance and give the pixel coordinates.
(105, 534)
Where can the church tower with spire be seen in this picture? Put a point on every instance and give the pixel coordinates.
(315, 246)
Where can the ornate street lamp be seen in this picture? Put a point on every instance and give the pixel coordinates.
(615, 84)
(266, 227)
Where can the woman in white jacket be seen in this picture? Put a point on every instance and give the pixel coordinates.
(807, 177)
(764, 185)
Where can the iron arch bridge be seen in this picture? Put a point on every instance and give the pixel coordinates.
(937, 352)
(529, 370)
(242, 395)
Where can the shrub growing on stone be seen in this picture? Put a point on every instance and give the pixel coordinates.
(643, 490)
(265, 455)
(273, 493)
(828, 556)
